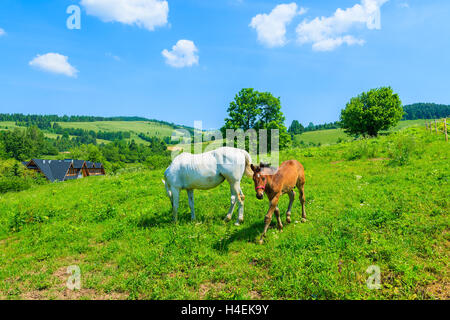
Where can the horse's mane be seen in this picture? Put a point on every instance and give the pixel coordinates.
(269, 170)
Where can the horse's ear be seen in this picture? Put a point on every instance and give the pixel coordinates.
(252, 167)
(261, 164)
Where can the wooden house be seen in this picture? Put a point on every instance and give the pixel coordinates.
(68, 169)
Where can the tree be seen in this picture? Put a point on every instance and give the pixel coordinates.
(257, 110)
(296, 128)
(244, 110)
(370, 112)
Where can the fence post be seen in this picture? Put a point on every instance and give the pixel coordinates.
(435, 125)
(445, 129)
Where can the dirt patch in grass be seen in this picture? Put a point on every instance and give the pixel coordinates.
(209, 289)
(59, 291)
(439, 290)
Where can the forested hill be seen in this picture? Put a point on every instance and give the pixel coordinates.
(39, 120)
(426, 111)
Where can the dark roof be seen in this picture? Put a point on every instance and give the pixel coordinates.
(25, 163)
(77, 164)
(98, 165)
(53, 169)
(89, 164)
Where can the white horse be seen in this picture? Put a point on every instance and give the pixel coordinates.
(206, 171)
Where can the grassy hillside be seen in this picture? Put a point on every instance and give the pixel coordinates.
(10, 125)
(332, 136)
(370, 210)
(152, 129)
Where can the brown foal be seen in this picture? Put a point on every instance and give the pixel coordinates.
(275, 183)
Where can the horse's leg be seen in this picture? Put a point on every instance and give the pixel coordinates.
(240, 198)
(175, 203)
(232, 204)
(191, 203)
(301, 188)
(268, 217)
(291, 202)
(277, 214)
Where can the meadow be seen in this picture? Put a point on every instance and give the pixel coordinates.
(333, 136)
(380, 202)
(151, 129)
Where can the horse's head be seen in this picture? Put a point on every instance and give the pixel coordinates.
(259, 179)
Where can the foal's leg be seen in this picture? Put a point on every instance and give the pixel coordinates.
(277, 214)
(175, 203)
(291, 202)
(301, 188)
(268, 217)
(191, 203)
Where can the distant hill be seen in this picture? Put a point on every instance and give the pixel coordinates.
(426, 111)
(42, 120)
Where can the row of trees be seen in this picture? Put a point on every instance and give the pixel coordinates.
(104, 135)
(297, 128)
(426, 111)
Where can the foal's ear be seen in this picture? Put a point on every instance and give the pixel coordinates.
(264, 165)
(252, 167)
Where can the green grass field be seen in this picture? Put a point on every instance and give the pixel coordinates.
(387, 207)
(10, 125)
(152, 129)
(332, 136)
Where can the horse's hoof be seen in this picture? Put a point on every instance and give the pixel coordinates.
(288, 220)
(303, 220)
(261, 241)
(227, 219)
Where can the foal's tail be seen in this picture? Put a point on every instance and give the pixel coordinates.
(248, 162)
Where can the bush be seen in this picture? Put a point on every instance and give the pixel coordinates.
(401, 149)
(366, 148)
(13, 184)
(158, 162)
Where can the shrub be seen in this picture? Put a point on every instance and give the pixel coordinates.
(14, 184)
(366, 148)
(402, 148)
(157, 162)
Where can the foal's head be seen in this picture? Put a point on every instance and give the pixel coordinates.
(260, 178)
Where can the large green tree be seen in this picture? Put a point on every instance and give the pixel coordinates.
(251, 109)
(372, 111)
(296, 128)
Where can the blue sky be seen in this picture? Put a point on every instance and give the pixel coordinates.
(118, 67)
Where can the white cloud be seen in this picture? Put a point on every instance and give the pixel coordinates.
(54, 63)
(183, 54)
(328, 33)
(147, 14)
(332, 43)
(2, 32)
(271, 28)
(110, 55)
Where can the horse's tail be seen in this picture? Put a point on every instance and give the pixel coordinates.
(169, 193)
(248, 162)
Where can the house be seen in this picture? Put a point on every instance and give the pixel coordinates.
(63, 170)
